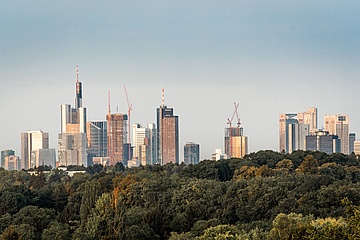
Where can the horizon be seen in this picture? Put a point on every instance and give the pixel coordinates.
(271, 58)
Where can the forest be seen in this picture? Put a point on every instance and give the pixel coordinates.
(266, 195)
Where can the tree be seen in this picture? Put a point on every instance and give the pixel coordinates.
(309, 165)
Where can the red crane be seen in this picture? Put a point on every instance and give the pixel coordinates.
(129, 111)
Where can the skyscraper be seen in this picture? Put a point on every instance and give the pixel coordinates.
(339, 125)
(31, 141)
(191, 153)
(323, 142)
(167, 134)
(117, 136)
(96, 133)
(236, 144)
(72, 139)
(144, 143)
(294, 127)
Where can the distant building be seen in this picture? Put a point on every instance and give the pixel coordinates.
(105, 161)
(236, 144)
(97, 142)
(352, 138)
(293, 129)
(118, 150)
(42, 157)
(144, 142)
(72, 141)
(4, 154)
(323, 142)
(357, 147)
(31, 141)
(339, 125)
(191, 153)
(12, 163)
(218, 155)
(167, 135)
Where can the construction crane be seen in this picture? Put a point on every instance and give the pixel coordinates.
(129, 111)
(236, 105)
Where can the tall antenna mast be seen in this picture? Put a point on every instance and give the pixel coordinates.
(109, 109)
(162, 97)
(77, 73)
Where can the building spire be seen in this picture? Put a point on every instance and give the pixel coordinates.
(78, 95)
(77, 73)
(162, 97)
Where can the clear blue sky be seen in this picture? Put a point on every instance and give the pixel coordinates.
(270, 56)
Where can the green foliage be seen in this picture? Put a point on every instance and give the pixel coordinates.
(259, 197)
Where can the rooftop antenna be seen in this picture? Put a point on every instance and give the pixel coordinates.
(77, 73)
(109, 110)
(162, 97)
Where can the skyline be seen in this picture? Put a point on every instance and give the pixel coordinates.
(270, 57)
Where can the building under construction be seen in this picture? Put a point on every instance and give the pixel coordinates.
(236, 144)
(117, 135)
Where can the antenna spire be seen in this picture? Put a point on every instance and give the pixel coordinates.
(162, 97)
(109, 110)
(77, 73)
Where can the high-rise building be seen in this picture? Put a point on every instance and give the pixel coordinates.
(339, 125)
(144, 143)
(117, 137)
(191, 153)
(42, 157)
(294, 127)
(5, 153)
(236, 144)
(323, 142)
(97, 146)
(72, 138)
(167, 135)
(352, 138)
(31, 141)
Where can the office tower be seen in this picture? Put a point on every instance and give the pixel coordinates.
(323, 142)
(72, 138)
(118, 150)
(352, 138)
(12, 162)
(167, 134)
(309, 118)
(339, 125)
(152, 137)
(144, 143)
(294, 127)
(96, 134)
(30, 141)
(4, 154)
(191, 153)
(42, 157)
(218, 155)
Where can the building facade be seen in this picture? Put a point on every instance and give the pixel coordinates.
(294, 128)
(167, 135)
(31, 141)
(191, 153)
(43, 157)
(72, 141)
(5, 153)
(236, 144)
(97, 142)
(12, 163)
(118, 150)
(339, 125)
(323, 142)
(144, 144)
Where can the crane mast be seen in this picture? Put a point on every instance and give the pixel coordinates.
(129, 111)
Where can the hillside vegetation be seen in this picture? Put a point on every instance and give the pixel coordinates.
(266, 195)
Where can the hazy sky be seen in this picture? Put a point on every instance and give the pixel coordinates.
(269, 56)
